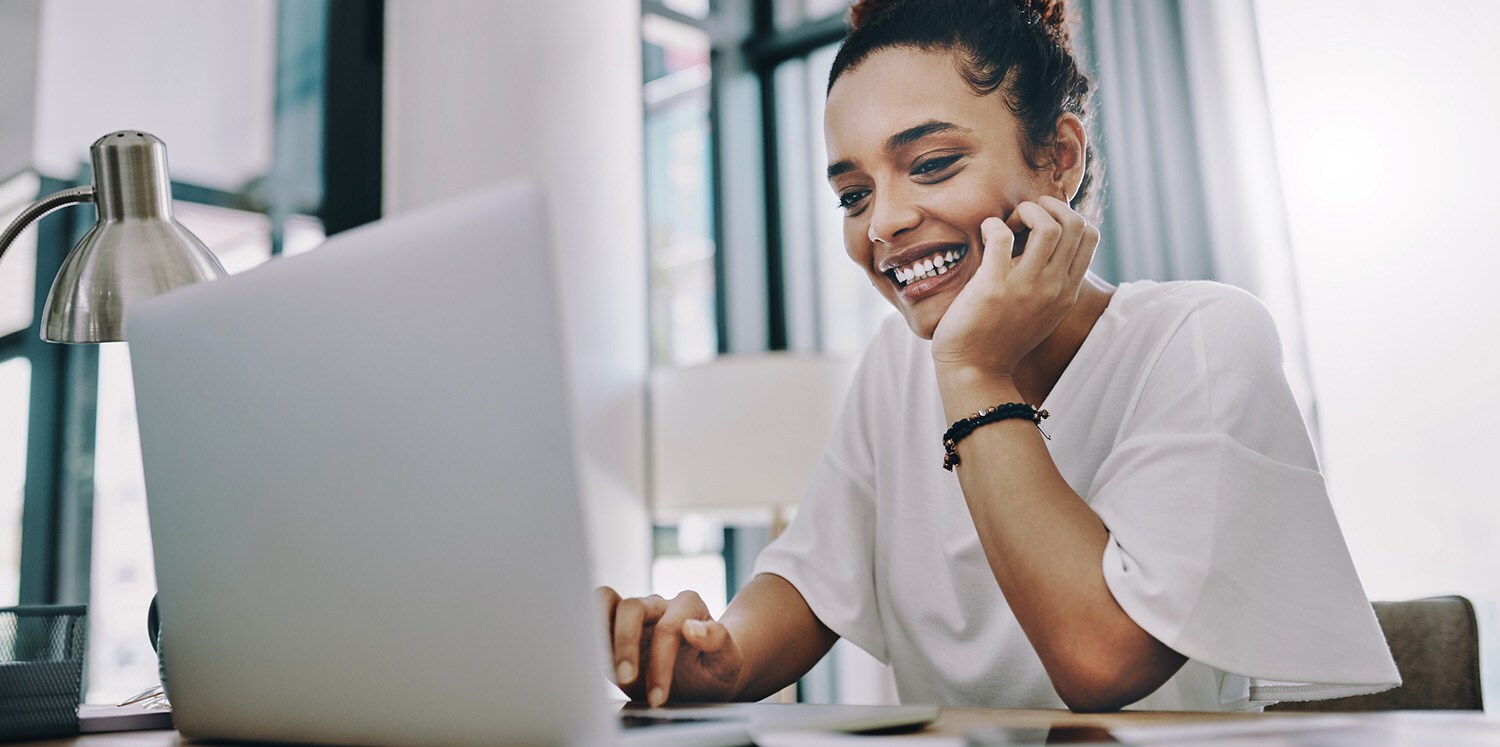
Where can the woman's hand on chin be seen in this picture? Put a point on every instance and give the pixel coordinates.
(1013, 303)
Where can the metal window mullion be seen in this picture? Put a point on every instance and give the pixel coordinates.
(352, 120)
(742, 190)
(13, 344)
(41, 512)
(658, 8)
(776, 324)
(716, 198)
(773, 47)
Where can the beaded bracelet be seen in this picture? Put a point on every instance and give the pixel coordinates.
(1008, 411)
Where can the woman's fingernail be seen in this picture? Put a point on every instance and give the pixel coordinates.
(656, 698)
(624, 673)
(696, 627)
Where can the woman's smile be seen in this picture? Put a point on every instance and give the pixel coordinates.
(933, 268)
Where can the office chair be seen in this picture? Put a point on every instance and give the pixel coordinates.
(1435, 643)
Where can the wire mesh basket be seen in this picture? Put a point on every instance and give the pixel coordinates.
(41, 670)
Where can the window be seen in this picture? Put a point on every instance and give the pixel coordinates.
(830, 307)
(739, 142)
(679, 198)
(244, 112)
(15, 395)
(17, 292)
(18, 267)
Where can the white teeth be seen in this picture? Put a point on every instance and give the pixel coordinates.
(937, 264)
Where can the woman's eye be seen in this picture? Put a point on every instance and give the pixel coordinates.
(851, 198)
(934, 165)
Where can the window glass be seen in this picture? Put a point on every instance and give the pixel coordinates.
(701, 572)
(690, 556)
(679, 198)
(670, 48)
(18, 266)
(121, 661)
(694, 8)
(301, 234)
(830, 304)
(815, 10)
(849, 310)
(15, 402)
(795, 168)
(789, 14)
(239, 239)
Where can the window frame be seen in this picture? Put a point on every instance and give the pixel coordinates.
(57, 507)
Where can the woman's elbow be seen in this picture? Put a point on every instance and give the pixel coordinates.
(1102, 697)
(1103, 683)
(1102, 701)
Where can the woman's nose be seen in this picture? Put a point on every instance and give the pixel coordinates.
(892, 215)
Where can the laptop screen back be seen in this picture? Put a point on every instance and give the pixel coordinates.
(362, 493)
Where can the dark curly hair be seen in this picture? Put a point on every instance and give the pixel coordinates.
(1020, 48)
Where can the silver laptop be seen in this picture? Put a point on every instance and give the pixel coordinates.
(363, 501)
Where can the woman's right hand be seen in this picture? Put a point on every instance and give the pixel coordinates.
(670, 649)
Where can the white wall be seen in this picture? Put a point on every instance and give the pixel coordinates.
(477, 91)
(19, 24)
(1384, 117)
(200, 76)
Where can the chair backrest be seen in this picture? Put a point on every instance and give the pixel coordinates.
(1435, 643)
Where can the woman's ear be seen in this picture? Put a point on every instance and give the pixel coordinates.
(1068, 156)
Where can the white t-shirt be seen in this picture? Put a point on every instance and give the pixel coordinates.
(1175, 423)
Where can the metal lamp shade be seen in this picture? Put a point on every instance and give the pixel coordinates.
(136, 249)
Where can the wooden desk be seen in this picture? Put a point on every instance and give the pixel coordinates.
(1417, 728)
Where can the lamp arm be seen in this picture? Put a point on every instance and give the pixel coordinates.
(36, 210)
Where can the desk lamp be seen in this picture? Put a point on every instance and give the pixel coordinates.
(135, 250)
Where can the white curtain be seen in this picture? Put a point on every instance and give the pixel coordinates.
(1191, 185)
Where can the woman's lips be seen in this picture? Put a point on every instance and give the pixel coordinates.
(920, 289)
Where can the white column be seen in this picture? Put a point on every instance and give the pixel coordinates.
(478, 91)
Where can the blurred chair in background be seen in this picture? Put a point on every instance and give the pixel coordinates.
(1436, 646)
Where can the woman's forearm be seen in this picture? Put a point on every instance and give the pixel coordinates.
(778, 635)
(1045, 548)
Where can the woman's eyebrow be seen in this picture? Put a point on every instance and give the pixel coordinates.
(901, 140)
(913, 134)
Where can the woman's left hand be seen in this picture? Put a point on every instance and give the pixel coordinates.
(1013, 303)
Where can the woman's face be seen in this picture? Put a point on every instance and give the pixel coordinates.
(918, 162)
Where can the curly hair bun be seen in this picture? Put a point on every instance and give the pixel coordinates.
(1050, 14)
(1053, 15)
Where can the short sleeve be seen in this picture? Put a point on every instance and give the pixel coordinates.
(1223, 543)
(828, 550)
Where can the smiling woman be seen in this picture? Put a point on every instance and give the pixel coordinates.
(1167, 544)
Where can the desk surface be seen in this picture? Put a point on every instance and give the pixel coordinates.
(1400, 728)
